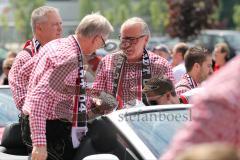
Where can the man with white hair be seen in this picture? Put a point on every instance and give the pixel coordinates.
(124, 73)
(55, 110)
(46, 26)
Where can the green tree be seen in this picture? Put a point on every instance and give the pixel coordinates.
(115, 11)
(154, 12)
(142, 8)
(122, 14)
(189, 17)
(86, 7)
(22, 10)
(226, 11)
(236, 16)
(4, 21)
(159, 15)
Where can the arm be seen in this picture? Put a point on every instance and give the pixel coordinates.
(39, 101)
(19, 76)
(97, 103)
(100, 80)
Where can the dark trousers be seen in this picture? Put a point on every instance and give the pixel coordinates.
(58, 134)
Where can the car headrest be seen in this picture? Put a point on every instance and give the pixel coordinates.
(11, 137)
(103, 135)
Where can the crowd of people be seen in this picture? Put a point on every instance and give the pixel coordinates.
(6, 66)
(50, 76)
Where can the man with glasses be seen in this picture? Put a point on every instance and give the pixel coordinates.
(160, 90)
(124, 73)
(55, 109)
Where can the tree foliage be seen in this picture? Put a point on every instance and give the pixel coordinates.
(86, 7)
(189, 17)
(159, 15)
(22, 10)
(154, 12)
(236, 16)
(226, 13)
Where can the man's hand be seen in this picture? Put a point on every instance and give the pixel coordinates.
(101, 107)
(39, 153)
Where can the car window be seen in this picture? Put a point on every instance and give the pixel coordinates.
(104, 137)
(3, 53)
(205, 39)
(233, 40)
(156, 129)
(6, 91)
(217, 39)
(8, 111)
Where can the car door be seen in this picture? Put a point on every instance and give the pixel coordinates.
(104, 137)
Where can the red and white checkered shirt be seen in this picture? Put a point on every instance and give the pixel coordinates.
(185, 84)
(131, 75)
(52, 86)
(215, 113)
(19, 76)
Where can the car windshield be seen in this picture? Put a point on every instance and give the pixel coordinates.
(156, 129)
(8, 110)
(233, 40)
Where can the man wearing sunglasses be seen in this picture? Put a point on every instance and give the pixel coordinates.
(160, 90)
(124, 73)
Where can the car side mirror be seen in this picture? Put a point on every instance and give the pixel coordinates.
(101, 157)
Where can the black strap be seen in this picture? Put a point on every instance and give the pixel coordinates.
(121, 59)
(82, 109)
(146, 70)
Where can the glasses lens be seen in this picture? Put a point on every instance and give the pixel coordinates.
(132, 40)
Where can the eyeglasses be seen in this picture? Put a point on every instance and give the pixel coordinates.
(132, 40)
(104, 43)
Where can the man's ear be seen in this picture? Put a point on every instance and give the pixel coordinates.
(146, 41)
(196, 66)
(38, 27)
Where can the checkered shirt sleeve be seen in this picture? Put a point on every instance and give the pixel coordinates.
(51, 86)
(18, 78)
(215, 113)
